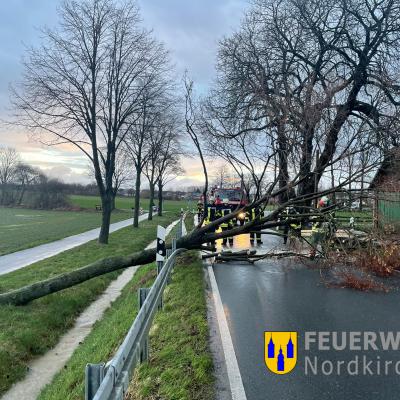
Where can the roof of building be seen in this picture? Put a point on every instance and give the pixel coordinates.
(390, 168)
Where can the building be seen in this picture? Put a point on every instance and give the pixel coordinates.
(386, 185)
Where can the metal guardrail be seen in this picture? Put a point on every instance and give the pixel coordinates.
(111, 380)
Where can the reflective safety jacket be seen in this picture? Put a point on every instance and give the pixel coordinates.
(289, 213)
(227, 224)
(254, 213)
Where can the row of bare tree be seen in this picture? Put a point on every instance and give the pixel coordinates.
(102, 83)
(306, 95)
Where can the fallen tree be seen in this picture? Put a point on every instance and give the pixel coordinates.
(194, 240)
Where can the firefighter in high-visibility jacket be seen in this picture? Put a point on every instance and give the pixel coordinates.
(255, 214)
(200, 209)
(322, 228)
(293, 227)
(225, 226)
(211, 216)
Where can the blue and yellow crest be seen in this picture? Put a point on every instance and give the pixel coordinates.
(280, 351)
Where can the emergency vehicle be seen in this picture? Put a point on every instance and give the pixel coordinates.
(221, 201)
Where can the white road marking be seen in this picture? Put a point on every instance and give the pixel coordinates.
(234, 377)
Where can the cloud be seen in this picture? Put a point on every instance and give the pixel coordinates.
(67, 174)
(191, 30)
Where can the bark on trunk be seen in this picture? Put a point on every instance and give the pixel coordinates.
(151, 202)
(160, 200)
(307, 185)
(40, 289)
(113, 203)
(193, 240)
(283, 175)
(137, 199)
(106, 205)
(60, 282)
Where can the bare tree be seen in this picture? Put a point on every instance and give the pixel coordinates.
(9, 160)
(304, 69)
(25, 177)
(143, 139)
(83, 85)
(191, 123)
(163, 141)
(168, 165)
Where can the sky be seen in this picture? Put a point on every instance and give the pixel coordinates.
(190, 29)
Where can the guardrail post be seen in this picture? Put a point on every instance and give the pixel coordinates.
(159, 266)
(142, 294)
(94, 374)
(144, 346)
(144, 350)
(173, 244)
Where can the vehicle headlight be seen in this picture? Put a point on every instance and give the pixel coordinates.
(242, 215)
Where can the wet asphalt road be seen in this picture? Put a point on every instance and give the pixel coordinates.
(282, 296)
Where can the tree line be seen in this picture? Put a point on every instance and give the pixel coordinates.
(24, 185)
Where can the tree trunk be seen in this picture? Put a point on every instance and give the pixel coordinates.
(333, 184)
(137, 199)
(21, 196)
(283, 174)
(160, 199)
(193, 240)
(362, 182)
(151, 202)
(113, 203)
(307, 184)
(106, 206)
(68, 279)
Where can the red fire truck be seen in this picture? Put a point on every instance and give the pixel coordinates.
(227, 200)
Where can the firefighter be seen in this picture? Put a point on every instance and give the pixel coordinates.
(199, 210)
(294, 227)
(210, 217)
(226, 225)
(255, 214)
(218, 201)
(322, 227)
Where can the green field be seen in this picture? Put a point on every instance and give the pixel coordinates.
(122, 203)
(22, 228)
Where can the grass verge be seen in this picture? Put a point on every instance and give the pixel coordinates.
(180, 365)
(31, 330)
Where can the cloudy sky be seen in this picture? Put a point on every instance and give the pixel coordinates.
(190, 29)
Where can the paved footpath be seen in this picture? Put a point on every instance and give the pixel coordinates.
(23, 258)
